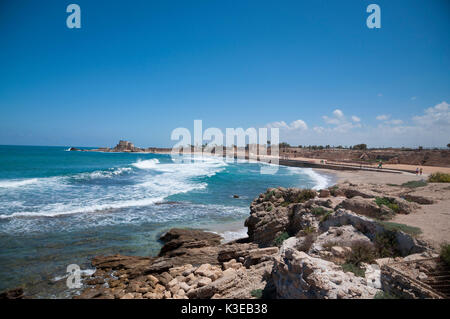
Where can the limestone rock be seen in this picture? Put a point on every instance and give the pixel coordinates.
(366, 207)
(299, 276)
(343, 236)
(177, 239)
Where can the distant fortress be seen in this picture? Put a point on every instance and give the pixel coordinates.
(124, 147)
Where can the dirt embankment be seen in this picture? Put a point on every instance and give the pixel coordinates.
(388, 156)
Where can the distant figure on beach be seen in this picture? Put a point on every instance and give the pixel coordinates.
(380, 164)
(417, 171)
(420, 171)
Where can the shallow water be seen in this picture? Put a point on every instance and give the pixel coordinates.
(59, 208)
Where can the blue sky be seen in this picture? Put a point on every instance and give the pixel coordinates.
(138, 69)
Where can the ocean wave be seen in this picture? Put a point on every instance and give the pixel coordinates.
(61, 209)
(13, 183)
(230, 235)
(322, 181)
(112, 172)
(146, 164)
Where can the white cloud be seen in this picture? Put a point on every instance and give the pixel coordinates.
(439, 115)
(340, 122)
(295, 125)
(338, 113)
(413, 98)
(383, 117)
(428, 128)
(379, 94)
(299, 124)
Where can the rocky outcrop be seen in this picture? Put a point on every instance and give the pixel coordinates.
(177, 241)
(297, 275)
(16, 293)
(366, 207)
(343, 236)
(405, 244)
(297, 247)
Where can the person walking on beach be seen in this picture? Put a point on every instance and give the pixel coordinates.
(420, 171)
(417, 171)
(380, 164)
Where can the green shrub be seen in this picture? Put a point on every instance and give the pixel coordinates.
(384, 295)
(257, 293)
(439, 177)
(319, 211)
(445, 254)
(362, 252)
(278, 241)
(308, 230)
(414, 184)
(308, 241)
(388, 203)
(414, 231)
(358, 271)
(305, 194)
(333, 190)
(386, 244)
(326, 216)
(269, 195)
(269, 208)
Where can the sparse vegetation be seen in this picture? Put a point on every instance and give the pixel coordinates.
(322, 212)
(388, 203)
(269, 208)
(307, 242)
(269, 195)
(256, 293)
(326, 216)
(305, 194)
(362, 251)
(360, 147)
(318, 210)
(308, 230)
(445, 254)
(386, 244)
(358, 271)
(414, 231)
(384, 295)
(415, 184)
(439, 178)
(278, 241)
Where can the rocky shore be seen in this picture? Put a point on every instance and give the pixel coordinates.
(124, 147)
(336, 243)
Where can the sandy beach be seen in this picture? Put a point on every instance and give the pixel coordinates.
(433, 220)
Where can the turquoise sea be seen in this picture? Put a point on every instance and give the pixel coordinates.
(59, 207)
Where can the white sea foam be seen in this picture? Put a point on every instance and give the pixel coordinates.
(56, 210)
(83, 272)
(161, 181)
(146, 164)
(13, 183)
(322, 181)
(112, 172)
(230, 235)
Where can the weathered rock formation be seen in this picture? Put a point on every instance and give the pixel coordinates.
(300, 276)
(301, 244)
